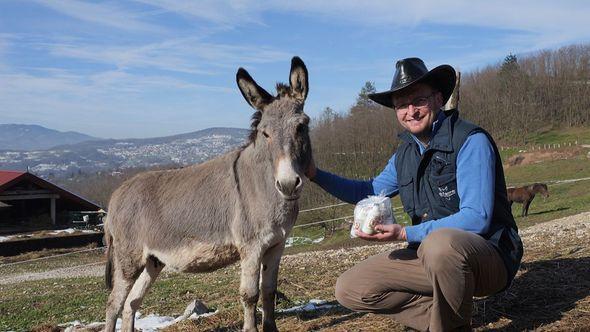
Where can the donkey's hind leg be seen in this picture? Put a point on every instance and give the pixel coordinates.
(152, 269)
(121, 288)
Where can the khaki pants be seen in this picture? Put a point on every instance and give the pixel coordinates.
(428, 289)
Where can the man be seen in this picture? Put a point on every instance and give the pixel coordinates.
(463, 241)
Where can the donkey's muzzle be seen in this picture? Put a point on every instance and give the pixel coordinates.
(289, 188)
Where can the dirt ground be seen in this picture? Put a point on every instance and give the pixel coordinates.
(538, 156)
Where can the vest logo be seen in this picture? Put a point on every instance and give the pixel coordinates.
(445, 193)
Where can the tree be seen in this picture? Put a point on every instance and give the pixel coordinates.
(328, 115)
(510, 65)
(363, 98)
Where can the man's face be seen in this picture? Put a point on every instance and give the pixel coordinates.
(416, 109)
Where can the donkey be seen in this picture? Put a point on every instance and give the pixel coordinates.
(239, 206)
(526, 194)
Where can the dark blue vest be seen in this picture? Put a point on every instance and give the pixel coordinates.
(428, 185)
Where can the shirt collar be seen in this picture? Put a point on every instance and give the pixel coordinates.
(435, 127)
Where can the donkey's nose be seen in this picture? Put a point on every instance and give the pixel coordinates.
(290, 186)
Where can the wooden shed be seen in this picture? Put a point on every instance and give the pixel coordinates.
(28, 202)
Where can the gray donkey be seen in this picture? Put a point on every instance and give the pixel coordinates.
(239, 206)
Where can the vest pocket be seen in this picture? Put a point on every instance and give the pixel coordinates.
(444, 187)
(406, 194)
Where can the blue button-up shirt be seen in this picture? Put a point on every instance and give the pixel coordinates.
(475, 186)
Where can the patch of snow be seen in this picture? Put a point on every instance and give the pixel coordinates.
(149, 323)
(5, 238)
(318, 240)
(299, 240)
(68, 230)
(195, 316)
(312, 305)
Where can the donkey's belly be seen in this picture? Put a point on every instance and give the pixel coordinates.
(198, 257)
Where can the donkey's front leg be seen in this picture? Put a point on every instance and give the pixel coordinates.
(250, 262)
(270, 271)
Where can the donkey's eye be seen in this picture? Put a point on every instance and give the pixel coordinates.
(265, 134)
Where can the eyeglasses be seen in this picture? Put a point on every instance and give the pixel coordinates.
(417, 102)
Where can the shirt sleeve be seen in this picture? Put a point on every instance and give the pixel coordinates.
(352, 191)
(476, 173)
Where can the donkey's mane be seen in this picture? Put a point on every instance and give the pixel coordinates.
(283, 90)
(254, 121)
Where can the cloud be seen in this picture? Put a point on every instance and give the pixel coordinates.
(100, 13)
(532, 15)
(187, 55)
(4, 43)
(549, 23)
(225, 13)
(61, 84)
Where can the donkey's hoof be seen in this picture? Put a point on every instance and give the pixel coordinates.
(250, 329)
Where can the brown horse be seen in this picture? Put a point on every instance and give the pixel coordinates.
(526, 194)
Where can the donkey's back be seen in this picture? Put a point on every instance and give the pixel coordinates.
(180, 217)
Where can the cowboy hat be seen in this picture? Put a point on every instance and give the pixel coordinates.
(413, 70)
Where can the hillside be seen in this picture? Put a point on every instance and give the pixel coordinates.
(114, 154)
(35, 137)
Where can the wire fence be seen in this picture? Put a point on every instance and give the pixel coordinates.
(314, 223)
(538, 147)
(50, 257)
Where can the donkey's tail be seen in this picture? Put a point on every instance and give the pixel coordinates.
(108, 271)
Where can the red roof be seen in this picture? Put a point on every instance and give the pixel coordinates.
(10, 178)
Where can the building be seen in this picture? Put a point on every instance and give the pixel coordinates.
(28, 202)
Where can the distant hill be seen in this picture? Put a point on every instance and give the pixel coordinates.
(34, 137)
(114, 154)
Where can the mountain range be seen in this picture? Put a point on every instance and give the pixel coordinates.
(35, 137)
(92, 154)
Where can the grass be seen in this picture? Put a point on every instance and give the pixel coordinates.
(564, 200)
(50, 302)
(548, 138)
(582, 135)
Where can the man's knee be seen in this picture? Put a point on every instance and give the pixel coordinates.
(344, 290)
(353, 293)
(439, 251)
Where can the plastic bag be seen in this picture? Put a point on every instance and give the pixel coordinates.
(370, 212)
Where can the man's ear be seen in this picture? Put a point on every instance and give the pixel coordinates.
(438, 97)
(256, 96)
(299, 79)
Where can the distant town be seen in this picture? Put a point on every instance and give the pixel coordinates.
(112, 155)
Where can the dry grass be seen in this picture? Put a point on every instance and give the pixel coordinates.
(550, 293)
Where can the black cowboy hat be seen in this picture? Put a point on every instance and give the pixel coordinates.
(412, 70)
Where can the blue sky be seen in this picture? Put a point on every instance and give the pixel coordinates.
(150, 68)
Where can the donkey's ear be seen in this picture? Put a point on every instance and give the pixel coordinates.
(299, 79)
(256, 96)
